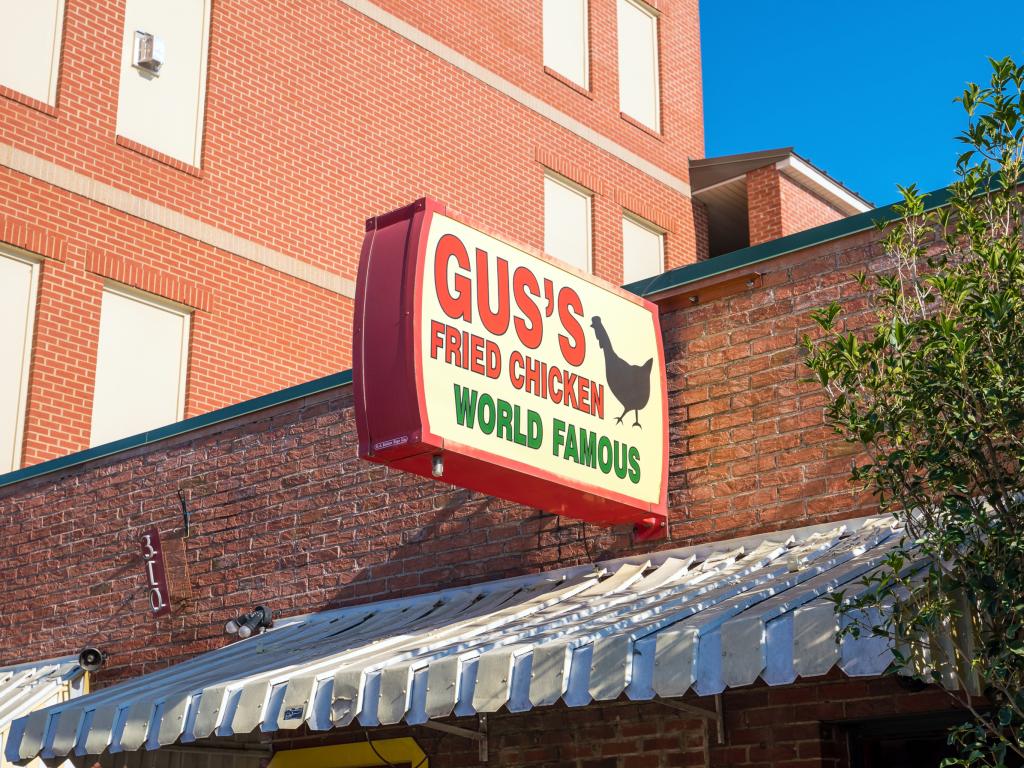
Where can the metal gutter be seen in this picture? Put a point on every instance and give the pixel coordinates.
(654, 288)
(227, 413)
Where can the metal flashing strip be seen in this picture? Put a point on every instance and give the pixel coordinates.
(299, 391)
(659, 286)
(577, 635)
(133, 205)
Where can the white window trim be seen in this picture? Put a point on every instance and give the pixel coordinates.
(650, 226)
(589, 195)
(58, 47)
(53, 81)
(199, 129)
(26, 363)
(167, 305)
(586, 50)
(656, 15)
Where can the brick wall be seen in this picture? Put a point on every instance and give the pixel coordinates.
(778, 206)
(801, 209)
(764, 205)
(316, 118)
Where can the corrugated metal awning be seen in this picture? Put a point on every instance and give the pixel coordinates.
(28, 687)
(701, 619)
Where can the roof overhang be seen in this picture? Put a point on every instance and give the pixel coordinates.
(806, 175)
(700, 619)
(713, 173)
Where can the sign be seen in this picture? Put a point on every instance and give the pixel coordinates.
(507, 372)
(156, 573)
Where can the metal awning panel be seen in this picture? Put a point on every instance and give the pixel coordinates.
(26, 689)
(682, 621)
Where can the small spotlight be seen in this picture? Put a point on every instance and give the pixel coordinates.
(437, 467)
(253, 622)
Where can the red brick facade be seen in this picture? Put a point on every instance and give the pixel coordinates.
(777, 206)
(313, 122)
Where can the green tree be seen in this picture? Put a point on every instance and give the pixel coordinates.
(929, 384)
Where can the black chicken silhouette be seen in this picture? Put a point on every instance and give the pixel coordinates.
(631, 384)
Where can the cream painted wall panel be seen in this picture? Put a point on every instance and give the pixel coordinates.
(643, 250)
(30, 38)
(18, 284)
(165, 111)
(639, 85)
(140, 365)
(565, 39)
(567, 222)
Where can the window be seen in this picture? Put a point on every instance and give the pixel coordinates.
(643, 249)
(30, 47)
(140, 364)
(567, 221)
(19, 279)
(638, 63)
(565, 39)
(163, 109)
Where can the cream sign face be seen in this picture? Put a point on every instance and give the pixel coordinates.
(532, 381)
(524, 358)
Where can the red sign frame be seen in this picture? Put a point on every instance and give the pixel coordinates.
(391, 413)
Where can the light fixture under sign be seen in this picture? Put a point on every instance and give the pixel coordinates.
(149, 52)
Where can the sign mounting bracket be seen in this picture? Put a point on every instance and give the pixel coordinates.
(708, 715)
(479, 736)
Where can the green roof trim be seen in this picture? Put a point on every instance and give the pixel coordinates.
(650, 288)
(746, 257)
(260, 403)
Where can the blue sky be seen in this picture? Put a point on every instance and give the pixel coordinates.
(861, 88)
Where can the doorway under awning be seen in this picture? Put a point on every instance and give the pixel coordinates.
(699, 619)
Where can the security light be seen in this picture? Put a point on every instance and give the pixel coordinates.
(149, 52)
(253, 622)
(437, 467)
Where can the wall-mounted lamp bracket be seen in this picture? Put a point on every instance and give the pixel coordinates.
(186, 516)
